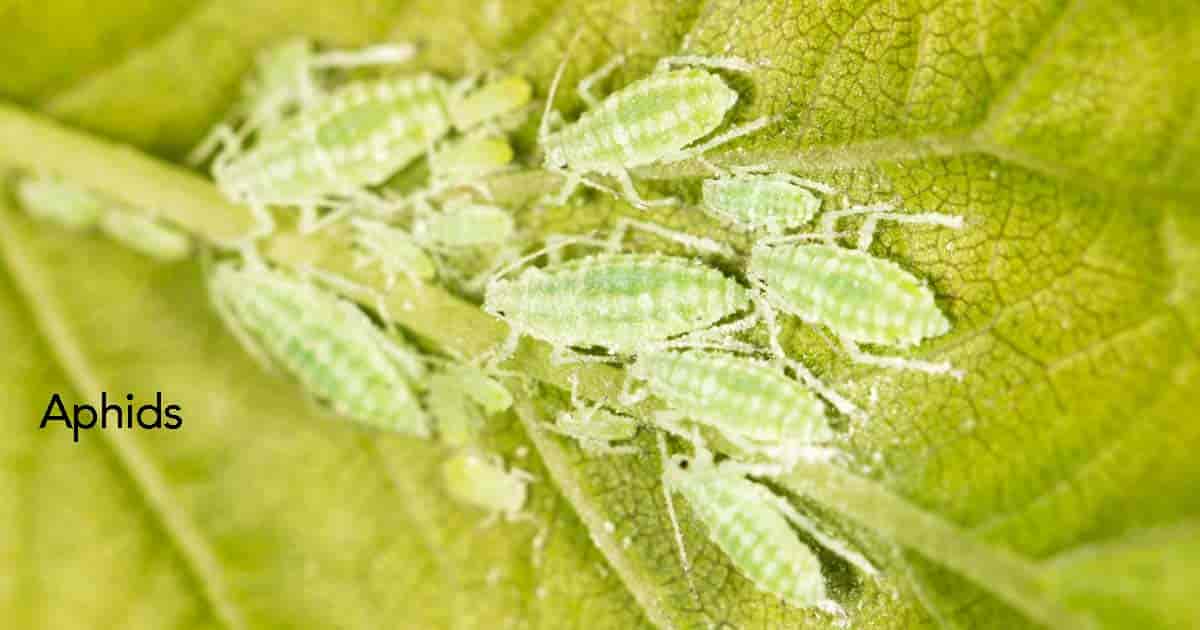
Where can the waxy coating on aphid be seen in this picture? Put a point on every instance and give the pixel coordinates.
(856, 295)
(744, 520)
(326, 343)
(768, 202)
(146, 235)
(623, 302)
(482, 481)
(749, 402)
(52, 199)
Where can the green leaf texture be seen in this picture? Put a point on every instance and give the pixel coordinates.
(1055, 486)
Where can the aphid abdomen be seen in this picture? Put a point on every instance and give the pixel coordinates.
(756, 202)
(755, 537)
(739, 397)
(328, 345)
(355, 137)
(858, 296)
(644, 122)
(621, 302)
(52, 199)
(469, 225)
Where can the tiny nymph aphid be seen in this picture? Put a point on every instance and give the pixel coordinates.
(55, 200)
(768, 202)
(656, 119)
(326, 343)
(594, 427)
(481, 480)
(146, 235)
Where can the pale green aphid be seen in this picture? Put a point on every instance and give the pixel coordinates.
(482, 481)
(328, 153)
(750, 524)
(769, 202)
(284, 80)
(394, 249)
(752, 404)
(859, 297)
(626, 303)
(458, 419)
(594, 427)
(460, 397)
(146, 235)
(462, 225)
(654, 120)
(466, 161)
(52, 199)
(330, 346)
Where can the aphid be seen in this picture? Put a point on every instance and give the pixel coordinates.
(52, 199)
(284, 80)
(770, 202)
(750, 524)
(654, 120)
(394, 249)
(861, 298)
(357, 136)
(626, 303)
(330, 346)
(459, 398)
(482, 481)
(467, 161)
(462, 225)
(146, 235)
(459, 421)
(752, 404)
(594, 427)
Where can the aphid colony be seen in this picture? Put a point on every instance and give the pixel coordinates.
(307, 135)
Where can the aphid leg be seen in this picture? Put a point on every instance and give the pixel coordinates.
(584, 88)
(378, 55)
(630, 194)
(665, 459)
(694, 242)
(829, 542)
(728, 136)
(562, 355)
(812, 184)
(900, 363)
(736, 64)
(866, 233)
(212, 142)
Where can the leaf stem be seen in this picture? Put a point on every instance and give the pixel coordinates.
(1003, 573)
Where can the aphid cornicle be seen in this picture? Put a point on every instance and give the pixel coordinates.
(482, 481)
(751, 404)
(330, 346)
(626, 303)
(52, 199)
(750, 525)
(653, 120)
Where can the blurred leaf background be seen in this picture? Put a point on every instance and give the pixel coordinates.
(1066, 133)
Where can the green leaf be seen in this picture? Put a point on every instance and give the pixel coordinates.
(1054, 486)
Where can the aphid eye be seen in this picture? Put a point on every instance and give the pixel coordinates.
(683, 464)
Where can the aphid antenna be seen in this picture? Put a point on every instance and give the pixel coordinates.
(697, 243)
(901, 363)
(543, 125)
(805, 236)
(737, 132)
(808, 525)
(736, 64)
(522, 261)
(665, 459)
